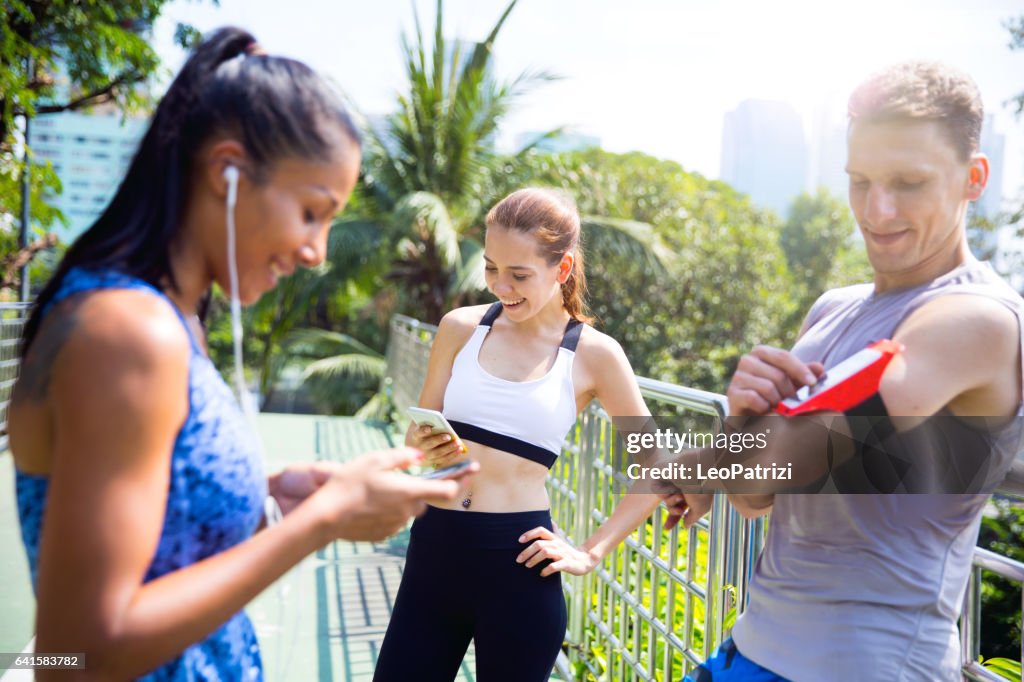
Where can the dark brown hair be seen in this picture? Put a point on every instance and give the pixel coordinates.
(551, 217)
(923, 91)
(278, 107)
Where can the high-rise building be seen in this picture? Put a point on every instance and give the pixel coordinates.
(828, 153)
(764, 153)
(90, 153)
(993, 145)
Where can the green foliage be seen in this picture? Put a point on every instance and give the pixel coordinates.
(82, 54)
(1004, 667)
(346, 374)
(818, 239)
(724, 287)
(435, 265)
(441, 138)
(1002, 532)
(428, 173)
(341, 293)
(982, 235)
(982, 232)
(633, 577)
(41, 180)
(1016, 28)
(1015, 217)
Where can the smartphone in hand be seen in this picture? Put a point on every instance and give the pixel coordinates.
(449, 472)
(434, 419)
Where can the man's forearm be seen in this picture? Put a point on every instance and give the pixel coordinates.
(752, 506)
(790, 455)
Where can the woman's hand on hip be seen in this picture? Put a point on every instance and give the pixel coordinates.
(563, 556)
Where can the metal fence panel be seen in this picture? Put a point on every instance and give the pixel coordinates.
(660, 602)
(12, 321)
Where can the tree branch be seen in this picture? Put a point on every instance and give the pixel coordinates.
(17, 260)
(104, 94)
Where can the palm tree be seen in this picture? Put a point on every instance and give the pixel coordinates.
(429, 176)
(436, 265)
(343, 371)
(429, 173)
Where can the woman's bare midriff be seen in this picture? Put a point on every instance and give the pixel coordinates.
(506, 483)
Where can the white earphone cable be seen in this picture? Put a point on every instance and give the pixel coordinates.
(271, 509)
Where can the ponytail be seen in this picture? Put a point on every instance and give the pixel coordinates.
(574, 289)
(277, 107)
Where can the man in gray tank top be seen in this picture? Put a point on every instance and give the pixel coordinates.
(870, 587)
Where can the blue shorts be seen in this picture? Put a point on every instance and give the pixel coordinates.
(727, 664)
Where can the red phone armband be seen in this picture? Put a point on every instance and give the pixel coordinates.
(849, 383)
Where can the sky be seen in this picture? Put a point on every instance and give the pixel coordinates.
(650, 75)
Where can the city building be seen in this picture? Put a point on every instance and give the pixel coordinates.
(764, 153)
(90, 153)
(828, 151)
(993, 145)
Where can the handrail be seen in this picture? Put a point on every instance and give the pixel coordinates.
(660, 601)
(12, 320)
(647, 578)
(970, 619)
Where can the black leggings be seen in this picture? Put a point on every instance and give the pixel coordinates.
(462, 582)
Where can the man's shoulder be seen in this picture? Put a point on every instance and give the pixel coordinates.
(980, 278)
(965, 315)
(974, 294)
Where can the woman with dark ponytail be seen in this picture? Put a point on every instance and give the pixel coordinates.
(140, 485)
(511, 378)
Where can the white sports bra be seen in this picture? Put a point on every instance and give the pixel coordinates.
(525, 418)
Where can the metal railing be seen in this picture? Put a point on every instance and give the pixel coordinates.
(659, 579)
(970, 621)
(661, 602)
(12, 320)
(407, 354)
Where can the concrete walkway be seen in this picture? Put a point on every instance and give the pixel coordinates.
(17, 615)
(326, 619)
(323, 621)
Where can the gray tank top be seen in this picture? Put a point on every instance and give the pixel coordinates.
(869, 587)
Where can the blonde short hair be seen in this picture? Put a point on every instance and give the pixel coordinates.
(923, 91)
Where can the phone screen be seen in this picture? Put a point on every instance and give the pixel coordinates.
(448, 471)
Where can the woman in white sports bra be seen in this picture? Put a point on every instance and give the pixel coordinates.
(511, 378)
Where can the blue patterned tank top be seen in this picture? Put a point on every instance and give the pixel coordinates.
(214, 500)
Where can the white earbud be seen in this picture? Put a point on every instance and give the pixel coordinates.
(231, 175)
(244, 398)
